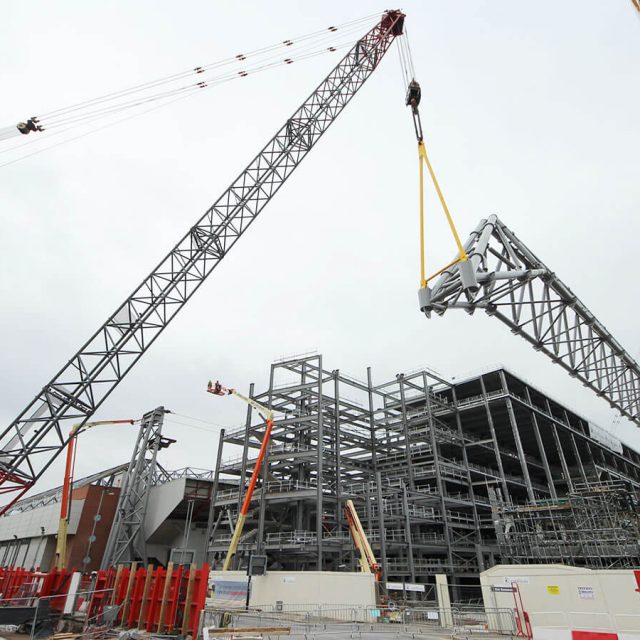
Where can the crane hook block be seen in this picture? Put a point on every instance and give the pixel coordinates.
(414, 94)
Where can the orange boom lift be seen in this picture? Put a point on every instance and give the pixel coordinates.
(267, 414)
(65, 503)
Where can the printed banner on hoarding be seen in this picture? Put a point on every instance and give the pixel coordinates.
(227, 593)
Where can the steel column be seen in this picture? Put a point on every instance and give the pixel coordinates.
(541, 448)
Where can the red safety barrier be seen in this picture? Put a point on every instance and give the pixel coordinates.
(593, 635)
(155, 599)
(18, 585)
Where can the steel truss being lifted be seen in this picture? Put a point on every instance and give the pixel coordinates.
(34, 439)
(508, 281)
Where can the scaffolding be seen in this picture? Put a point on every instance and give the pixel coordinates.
(424, 460)
(597, 525)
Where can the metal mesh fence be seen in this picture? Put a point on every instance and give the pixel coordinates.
(309, 620)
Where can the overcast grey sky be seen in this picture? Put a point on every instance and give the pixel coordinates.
(530, 111)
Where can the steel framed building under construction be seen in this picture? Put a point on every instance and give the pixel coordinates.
(596, 525)
(430, 465)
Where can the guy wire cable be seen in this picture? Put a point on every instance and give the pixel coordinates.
(298, 45)
(193, 90)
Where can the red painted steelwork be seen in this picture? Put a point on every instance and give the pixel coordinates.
(18, 585)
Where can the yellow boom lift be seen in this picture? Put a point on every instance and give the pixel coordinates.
(368, 562)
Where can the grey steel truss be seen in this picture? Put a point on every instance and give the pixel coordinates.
(509, 282)
(39, 433)
(126, 541)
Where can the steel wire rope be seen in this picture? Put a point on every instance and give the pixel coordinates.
(239, 58)
(225, 61)
(203, 83)
(124, 119)
(403, 62)
(328, 32)
(403, 76)
(87, 133)
(182, 415)
(193, 426)
(197, 87)
(407, 45)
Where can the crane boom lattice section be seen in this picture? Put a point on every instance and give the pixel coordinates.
(35, 438)
(127, 540)
(514, 285)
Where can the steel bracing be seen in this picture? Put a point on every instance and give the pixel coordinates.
(39, 433)
(127, 538)
(596, 525)
(421, 458)
(514, 285)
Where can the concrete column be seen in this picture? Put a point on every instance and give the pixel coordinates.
(444, 602)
